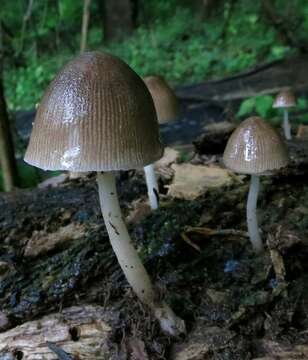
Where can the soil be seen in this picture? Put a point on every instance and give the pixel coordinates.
(236, 304)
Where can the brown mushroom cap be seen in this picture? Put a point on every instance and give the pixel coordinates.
(92, 118)
(165, 101)
(255, 148)
(285, 99)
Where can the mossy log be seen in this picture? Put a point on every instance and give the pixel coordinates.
(53, 249)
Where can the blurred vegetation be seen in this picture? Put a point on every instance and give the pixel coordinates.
(171, 39)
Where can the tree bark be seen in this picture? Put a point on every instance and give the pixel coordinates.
(118, 18)
(204, 8)
(85, 25)
(7, 154)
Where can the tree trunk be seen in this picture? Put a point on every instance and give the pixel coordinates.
(85, 25)
(7, 157)
(204, 8)
(118, 18)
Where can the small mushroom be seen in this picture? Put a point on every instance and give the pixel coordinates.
(165, 101)
(284, 100)
(167, 110)
(256, 149)
(91, 118)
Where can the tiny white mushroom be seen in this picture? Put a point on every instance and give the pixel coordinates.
(285, 100)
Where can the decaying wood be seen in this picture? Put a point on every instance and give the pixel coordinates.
(203, 342)
(276, 351)
(81, 332)
(191, 181)
(41, 242)
(265, 79)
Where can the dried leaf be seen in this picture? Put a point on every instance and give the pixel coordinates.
(53, 181)
(141, 209)
(137, 349)
(163, 165)
(170, 156)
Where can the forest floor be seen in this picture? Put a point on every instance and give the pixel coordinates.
(56, 261)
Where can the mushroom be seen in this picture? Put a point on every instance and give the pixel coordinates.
(255, 148)
(165, 101)
(167, 110)
(91, 118)
(284, 100)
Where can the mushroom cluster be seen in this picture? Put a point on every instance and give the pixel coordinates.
(92, 118)
(255, 148)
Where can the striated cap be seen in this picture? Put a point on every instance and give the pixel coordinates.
(285, 99)
(255, 148)
(92, 118)
(165, 101)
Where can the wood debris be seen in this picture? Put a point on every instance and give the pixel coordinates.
(81, 332)
(41, 242)
(191, 181)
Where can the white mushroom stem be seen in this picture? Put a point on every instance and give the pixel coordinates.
(286, 124)
(152, 186)
(128, 257)
(252, 221)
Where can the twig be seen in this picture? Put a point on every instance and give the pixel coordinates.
(24, 25)
(189, 242)
(211, 232)
(62, 355)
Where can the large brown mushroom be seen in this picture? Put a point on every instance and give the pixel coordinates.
(256, 149)
(91, 118)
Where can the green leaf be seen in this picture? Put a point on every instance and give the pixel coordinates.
(264, 105)
(247, 106)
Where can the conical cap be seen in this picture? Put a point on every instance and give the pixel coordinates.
(285, 99)
(255, 148)
(96, 115)
(165, 100)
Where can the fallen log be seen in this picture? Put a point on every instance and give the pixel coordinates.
(265, 79)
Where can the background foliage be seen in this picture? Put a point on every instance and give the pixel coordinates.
(171, 39)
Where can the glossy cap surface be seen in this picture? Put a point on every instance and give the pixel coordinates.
(255, 148)
(92, 118)
(285, 99)
(165, 101)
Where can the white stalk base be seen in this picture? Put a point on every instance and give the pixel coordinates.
(128, 257)
(252, 221)
(286, 125)
(152, 186)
